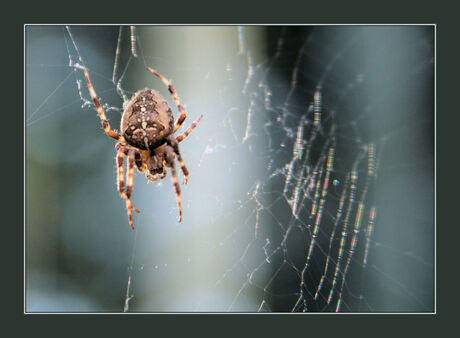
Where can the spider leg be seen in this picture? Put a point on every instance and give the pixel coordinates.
(189, 129)
(175, 145)
(183, 113)
(105, 124)
(120, 179)
(170, 163)
(129, 185)
(120, 173)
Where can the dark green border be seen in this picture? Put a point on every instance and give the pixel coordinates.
(216, 13)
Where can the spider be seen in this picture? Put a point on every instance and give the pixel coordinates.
(147, 139)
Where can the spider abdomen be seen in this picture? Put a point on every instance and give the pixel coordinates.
(147, 120)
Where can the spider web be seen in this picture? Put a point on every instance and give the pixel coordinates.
(311, 173)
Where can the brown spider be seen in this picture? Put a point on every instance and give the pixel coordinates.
(147, 127)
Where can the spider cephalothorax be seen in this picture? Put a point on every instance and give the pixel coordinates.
(147, 138)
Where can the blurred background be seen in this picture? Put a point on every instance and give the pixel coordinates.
(244, 241)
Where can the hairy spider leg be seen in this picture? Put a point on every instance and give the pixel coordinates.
(129, 179)
(170, 163)
(105, 124)
(120, 173)
(175, 145)
(189, 129)
(129, 185)
(183, 113)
